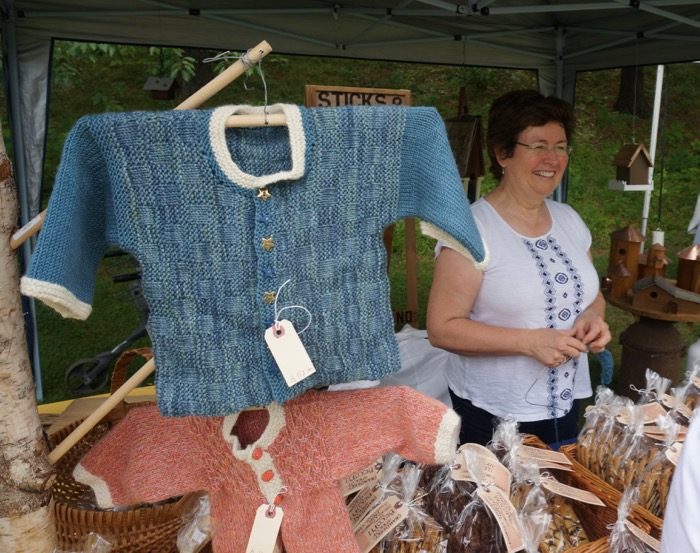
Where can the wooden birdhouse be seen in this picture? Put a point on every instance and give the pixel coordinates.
(689, 269)
(653, 262)
(661, 295)
(466, 139)
(161, 88)
(632, 163)
(625, 248)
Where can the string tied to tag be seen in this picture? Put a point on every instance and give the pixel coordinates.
(278, 328)
(650, 393)
(270, 513)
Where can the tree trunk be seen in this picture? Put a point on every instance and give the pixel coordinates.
(26, 525)
(630, 98)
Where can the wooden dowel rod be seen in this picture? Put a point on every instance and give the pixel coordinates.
(27, 231)
(254, 55)
(257, 120)
(98, 414)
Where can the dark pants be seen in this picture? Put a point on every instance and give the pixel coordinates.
(478, 424)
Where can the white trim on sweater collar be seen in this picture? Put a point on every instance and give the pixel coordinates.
(297, 144)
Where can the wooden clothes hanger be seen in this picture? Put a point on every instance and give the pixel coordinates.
(253, 56)
(218, 83)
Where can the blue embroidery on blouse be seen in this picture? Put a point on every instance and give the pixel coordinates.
(570, 279)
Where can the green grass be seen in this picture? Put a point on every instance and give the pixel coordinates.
(100, 83)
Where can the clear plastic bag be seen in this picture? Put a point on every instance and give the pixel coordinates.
(418, 533)
(634, 453)
(656, 386)
(612, 433)
(692, 384)
(447, 497)
(529, 500)
(654, 482)
(93, 543)
(476, 529)
(623, 537)
(596, 416)
(505, 440)
(196, 531)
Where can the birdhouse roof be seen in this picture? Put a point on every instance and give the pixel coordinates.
(628, 153)
(692, 253)
(620, 270)
(628, 234)
(159, 83)
(668, 287)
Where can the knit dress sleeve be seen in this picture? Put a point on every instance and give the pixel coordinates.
(430, 186)
(366, 424)
(73, 238)
(145, 458)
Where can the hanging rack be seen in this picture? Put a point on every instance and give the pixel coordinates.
(254, 55)
(218, 83)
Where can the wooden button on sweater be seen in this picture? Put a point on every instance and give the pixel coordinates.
(257, 453)
(267, 476)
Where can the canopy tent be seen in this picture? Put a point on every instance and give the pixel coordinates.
(557, 38)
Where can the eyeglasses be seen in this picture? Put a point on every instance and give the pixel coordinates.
(540, 148)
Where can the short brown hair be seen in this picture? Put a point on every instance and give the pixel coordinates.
(513, 112)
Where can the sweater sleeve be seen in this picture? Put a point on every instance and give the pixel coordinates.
(145, 458)
(73, 238)
(430, 186)
(366, 424)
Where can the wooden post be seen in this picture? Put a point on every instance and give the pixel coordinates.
(26, 524)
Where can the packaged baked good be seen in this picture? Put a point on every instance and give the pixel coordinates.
(418, 533)
(625, 536)
(654, 482)
(595, 416)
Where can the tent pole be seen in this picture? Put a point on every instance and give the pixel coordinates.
(652, 144)
(19, 154)
(561, 191)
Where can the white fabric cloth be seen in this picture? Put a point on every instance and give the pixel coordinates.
(681, 531)
(422, 365)
(540, 282)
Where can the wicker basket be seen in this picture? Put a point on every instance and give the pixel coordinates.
(640, 516)
(596, 520)
(598, 546)
(147, 529)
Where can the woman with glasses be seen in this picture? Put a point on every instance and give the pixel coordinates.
(522, 324)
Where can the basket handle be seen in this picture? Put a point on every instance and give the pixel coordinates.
(96, 416)
(119, 373)
(122, 365)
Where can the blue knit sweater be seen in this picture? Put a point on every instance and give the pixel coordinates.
(220, 218)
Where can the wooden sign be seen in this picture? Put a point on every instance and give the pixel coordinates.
(335, 96)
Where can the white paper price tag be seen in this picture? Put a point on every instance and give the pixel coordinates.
(266, 527)
(643, 536)
(673, 453)
(289, 353)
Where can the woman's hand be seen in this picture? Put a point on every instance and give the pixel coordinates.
(592, 330)
(553, 347)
